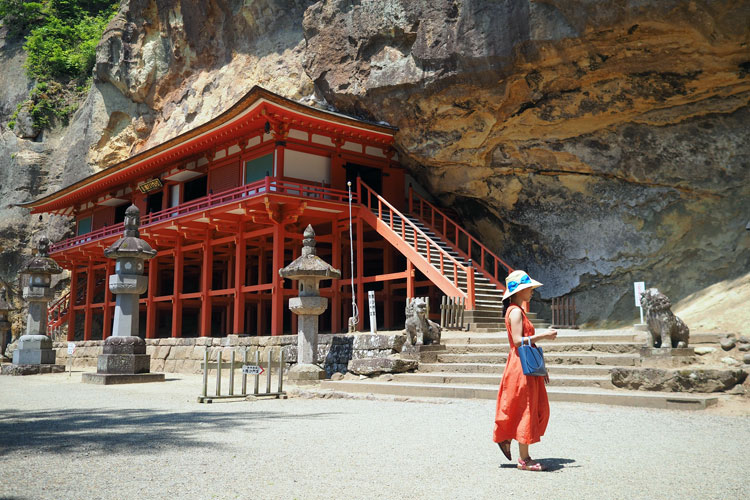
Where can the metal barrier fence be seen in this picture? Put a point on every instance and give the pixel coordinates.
(255, 369)
(564, 312)
(452, 312)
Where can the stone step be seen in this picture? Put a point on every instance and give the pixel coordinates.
(491, 312)
(602, 381)
(549, 347)
(576, 358)
(485, 325)
(494, 368)
(473, 328)
(567, 394)
(703, 338)
(455, 337)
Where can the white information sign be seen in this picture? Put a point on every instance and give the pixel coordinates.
(373, 316)
(252, 369)
(71, 350)
(639, 287)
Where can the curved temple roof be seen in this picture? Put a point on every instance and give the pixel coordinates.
(256, 107)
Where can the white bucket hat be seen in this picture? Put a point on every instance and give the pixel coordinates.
(518, 280)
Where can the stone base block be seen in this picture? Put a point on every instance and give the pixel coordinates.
(668, 356)
(301, 373)
(34, 357)
(124, 345)
(121, 378)
(677, 379)
(663, 352)
(374, 366)
(123, 364)
(31, 369)
(640, 327)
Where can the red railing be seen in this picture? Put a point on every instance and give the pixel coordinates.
(57, 314)
(464, 243)
(267, 185)
(370, 199)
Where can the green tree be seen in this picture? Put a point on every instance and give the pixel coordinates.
(20, 16)
(61, 40)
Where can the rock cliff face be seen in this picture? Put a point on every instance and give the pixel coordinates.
(592, 143)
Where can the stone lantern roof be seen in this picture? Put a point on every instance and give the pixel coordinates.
(130, 245)
(42, 263)
(309, 265)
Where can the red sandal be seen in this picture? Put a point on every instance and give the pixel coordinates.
(530, 464)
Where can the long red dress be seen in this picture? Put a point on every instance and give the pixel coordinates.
(522, 409)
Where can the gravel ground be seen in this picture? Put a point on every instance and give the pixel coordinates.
(61, 439)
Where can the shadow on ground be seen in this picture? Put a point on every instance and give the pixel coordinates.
(551, 464)
(123, 431)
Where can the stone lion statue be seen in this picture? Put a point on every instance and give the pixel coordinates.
(664, 328)
(419, 329)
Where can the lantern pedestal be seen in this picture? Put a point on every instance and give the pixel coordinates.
(123, 361)
(34, 350)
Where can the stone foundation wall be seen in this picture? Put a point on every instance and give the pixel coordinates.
(186, 355)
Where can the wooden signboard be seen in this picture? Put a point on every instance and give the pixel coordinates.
(148, 186)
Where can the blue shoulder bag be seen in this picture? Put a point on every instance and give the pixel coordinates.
(532, 359)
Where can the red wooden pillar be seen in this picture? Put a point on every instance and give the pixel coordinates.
(89, 297)
(153, 273)
(297, 251)
(280, 147)
(387, 303)
(240, 249)
(206, 274)
(338, 173)
(177, 290)
(72, 302)
(107, 321)
(277, 299)
(260, 316)
(336, 263)
(361, 306)
(409, 280)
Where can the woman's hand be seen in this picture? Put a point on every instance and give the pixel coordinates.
(550, 334)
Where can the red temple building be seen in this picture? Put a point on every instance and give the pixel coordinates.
(225, 205)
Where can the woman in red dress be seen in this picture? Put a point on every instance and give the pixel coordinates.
(522, 409)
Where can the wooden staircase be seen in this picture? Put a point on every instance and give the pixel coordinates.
(446, 261)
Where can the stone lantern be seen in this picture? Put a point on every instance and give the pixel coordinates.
(5, 309)
(309, 270)
(35, 347)
(124, 359)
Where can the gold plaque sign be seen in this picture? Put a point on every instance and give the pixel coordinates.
(149, 186)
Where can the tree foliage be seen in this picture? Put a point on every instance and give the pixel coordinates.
(61, 39)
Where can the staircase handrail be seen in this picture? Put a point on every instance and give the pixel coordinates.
(60, 300)
(492, 272)
(366, 200)
(55, 312)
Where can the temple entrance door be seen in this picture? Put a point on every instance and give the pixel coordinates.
(373, 177)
